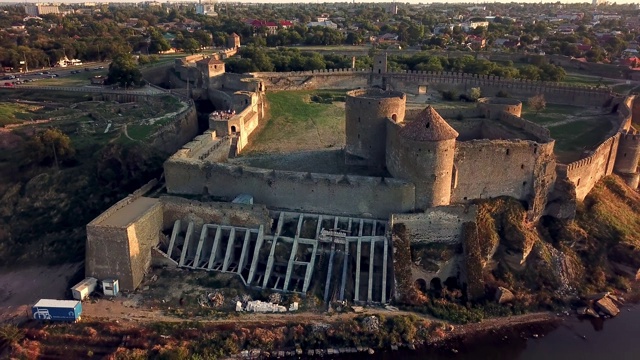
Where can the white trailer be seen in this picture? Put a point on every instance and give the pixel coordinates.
(84, 288)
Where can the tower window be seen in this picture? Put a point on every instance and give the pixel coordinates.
(507, 151)
(427, 126)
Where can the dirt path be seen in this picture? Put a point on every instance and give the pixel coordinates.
(19, 289)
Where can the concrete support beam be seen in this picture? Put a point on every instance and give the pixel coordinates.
(361, 227)
(384, 271)
(187, 239)
(349, 226)
(319, 227)
(373, 228)
(214, 247)
(372, 248)
(307, 276)
(243, 253)
(229, 250)
(345, 265)
(174, 235)
(327, 284)
(356, 296)
(335, 222)
(300, 219)
(292, 258)
(203, 236)
(273, 250)
(256, 254)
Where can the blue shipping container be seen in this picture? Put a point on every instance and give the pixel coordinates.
(57, 310)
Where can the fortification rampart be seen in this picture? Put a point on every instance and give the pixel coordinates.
(586, 172)
(410, 81)
(205, 147)
(494, 107)
(349, 195)
(532, 128)
(177, 132)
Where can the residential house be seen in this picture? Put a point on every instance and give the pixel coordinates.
(328, 24)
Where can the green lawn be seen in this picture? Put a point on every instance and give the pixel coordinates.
(296, 123)
(11, 113)
(586, 80)
(572, 138)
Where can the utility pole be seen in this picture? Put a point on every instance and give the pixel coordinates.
(26, 66)
(55, 155)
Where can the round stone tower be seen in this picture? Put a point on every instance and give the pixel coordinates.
(492, 107)
(366, 111)
(422, 151)
(627, 158)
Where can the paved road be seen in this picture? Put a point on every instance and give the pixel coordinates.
(47, 73)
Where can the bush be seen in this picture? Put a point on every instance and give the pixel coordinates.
(502, 94)
(449, 95)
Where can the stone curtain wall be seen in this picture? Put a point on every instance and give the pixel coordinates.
(179, 131)
(223, 213)
(491, 168)
(586, 172)
(297, 191)
(409, 81)
(442, 224)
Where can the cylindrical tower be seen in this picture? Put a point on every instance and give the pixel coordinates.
(627, 158)
(492, 107)
(628, 153)
(422, 151)
(366, 113)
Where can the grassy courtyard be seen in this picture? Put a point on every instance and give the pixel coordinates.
(297, 123)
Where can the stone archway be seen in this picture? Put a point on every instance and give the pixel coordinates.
(233, 129)
(421, 285)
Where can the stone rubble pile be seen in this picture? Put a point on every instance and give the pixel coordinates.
(264, 307)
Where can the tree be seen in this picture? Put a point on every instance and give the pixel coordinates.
(50, 147)
(537, 103)
(475, 93)
(124, 71)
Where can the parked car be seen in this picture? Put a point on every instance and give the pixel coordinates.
(46, 72)
(8, 84)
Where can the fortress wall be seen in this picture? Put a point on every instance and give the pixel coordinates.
(220, 99)
(586, 172)
(490, 168)
(457, 113)
(468, 129)
(157, 75)
(409, 81)
(223, 213)
(441, 224)
(349, 195)
(538, 131)
(184, 127)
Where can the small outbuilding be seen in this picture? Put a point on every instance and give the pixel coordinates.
(84, 288)
(110, 287)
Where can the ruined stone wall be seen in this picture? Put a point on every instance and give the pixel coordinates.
(457, 113)
(310, 80)
(179, 131)
(157, 75)
(366, 112)
(223, 213)
(442, 224)
(541, 133)
(323, 193)
(205, 147)
(490, 168)
(428, 165)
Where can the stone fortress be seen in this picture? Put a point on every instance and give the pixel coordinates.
(330, 234)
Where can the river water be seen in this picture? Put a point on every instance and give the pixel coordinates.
(571, 338)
